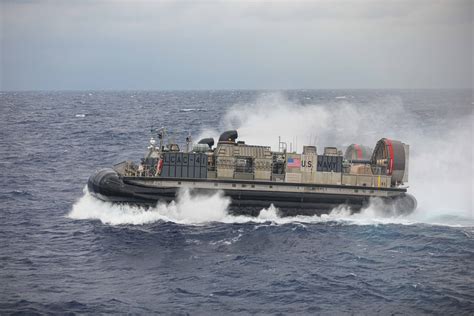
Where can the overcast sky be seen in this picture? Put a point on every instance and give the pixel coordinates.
(69, 45)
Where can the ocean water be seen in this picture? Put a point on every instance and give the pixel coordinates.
(63, 251)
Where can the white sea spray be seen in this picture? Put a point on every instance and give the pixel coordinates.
(440, 175)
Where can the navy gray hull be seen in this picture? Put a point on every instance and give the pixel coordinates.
(247, 198)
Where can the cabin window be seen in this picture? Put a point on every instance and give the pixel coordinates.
(215, 184)
(356, 191)
(270, 186)
(179, 182)
(233, 185)
(253, 185)
(244, 185)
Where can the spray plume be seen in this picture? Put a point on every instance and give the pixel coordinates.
(441, 166)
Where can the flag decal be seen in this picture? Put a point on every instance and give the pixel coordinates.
(293, 163)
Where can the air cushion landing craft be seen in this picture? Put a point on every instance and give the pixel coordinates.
(255, 177)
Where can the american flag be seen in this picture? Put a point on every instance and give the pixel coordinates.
(293, 163)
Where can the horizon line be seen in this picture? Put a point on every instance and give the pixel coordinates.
(229, 89)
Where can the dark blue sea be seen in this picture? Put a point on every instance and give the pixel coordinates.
(62, 251)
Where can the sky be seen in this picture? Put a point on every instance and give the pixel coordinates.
(182, 45)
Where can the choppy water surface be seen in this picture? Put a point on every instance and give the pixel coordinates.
(63, 251)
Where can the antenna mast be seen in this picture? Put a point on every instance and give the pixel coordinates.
(188, 141)
(161, 136)
(281, 145)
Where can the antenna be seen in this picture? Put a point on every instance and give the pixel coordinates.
(171, 138)
(161, 136)
(152, 140)
(281, 145)
(188, 141)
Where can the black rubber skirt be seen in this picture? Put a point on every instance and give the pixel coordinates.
(106, 185)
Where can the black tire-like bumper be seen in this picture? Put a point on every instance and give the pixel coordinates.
(106, 185)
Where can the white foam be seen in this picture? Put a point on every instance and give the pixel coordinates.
(193, 209)
(196, 209)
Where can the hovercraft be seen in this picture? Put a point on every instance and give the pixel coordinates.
(255, 177)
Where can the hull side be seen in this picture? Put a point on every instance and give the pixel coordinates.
(108, 186)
